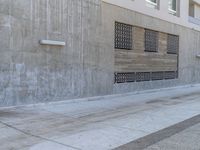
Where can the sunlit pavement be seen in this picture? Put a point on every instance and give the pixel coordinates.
(152, 120)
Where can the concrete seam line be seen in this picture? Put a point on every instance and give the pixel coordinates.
(36, 136)
(156, 137)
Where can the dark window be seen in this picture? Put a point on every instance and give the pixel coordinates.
(151, 41)
(172, 6)
(143, 76)
(172, 44)
(170, 75)
(157, 75)
(123, 36)
(124, 77)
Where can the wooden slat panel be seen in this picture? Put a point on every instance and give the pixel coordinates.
(137, 60)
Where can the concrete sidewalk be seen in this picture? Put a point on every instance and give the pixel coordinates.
(100, 124)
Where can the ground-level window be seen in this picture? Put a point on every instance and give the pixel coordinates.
(123, 36)
(126, 77)
(151, 41)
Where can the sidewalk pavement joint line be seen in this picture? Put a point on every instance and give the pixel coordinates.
(151, 139)
(36, 136)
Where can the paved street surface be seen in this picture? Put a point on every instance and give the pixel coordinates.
(182, 136)
(189, 139)
(153, 120)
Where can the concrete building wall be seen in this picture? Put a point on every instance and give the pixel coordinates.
(189, 46)
(32, 73)
(162, 11)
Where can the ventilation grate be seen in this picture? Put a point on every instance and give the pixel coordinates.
(170, 75)
(172, 44)
(151, 41)
(124, 77)
(157, 76)
(143, 76)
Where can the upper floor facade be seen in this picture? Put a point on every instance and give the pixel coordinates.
(181, 12)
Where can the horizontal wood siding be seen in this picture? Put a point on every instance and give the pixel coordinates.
(137, 60)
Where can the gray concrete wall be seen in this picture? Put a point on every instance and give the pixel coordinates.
(32, 73)
(189, 65)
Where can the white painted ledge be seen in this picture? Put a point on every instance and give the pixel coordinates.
(53, 43)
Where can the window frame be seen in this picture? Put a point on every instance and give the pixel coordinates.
(170, 10)
(151, 4)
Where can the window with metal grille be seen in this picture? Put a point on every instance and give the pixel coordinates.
(124, 77)
(151, 41)
(157, 75)
(123, 36)
(172, 44)
(170, 75)
(143, 76)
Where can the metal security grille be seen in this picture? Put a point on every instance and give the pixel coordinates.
(172, 44)
(143, 76)
(157, 75)
(151, 41)
(124, 77)
(170, 75)
(123, 36)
